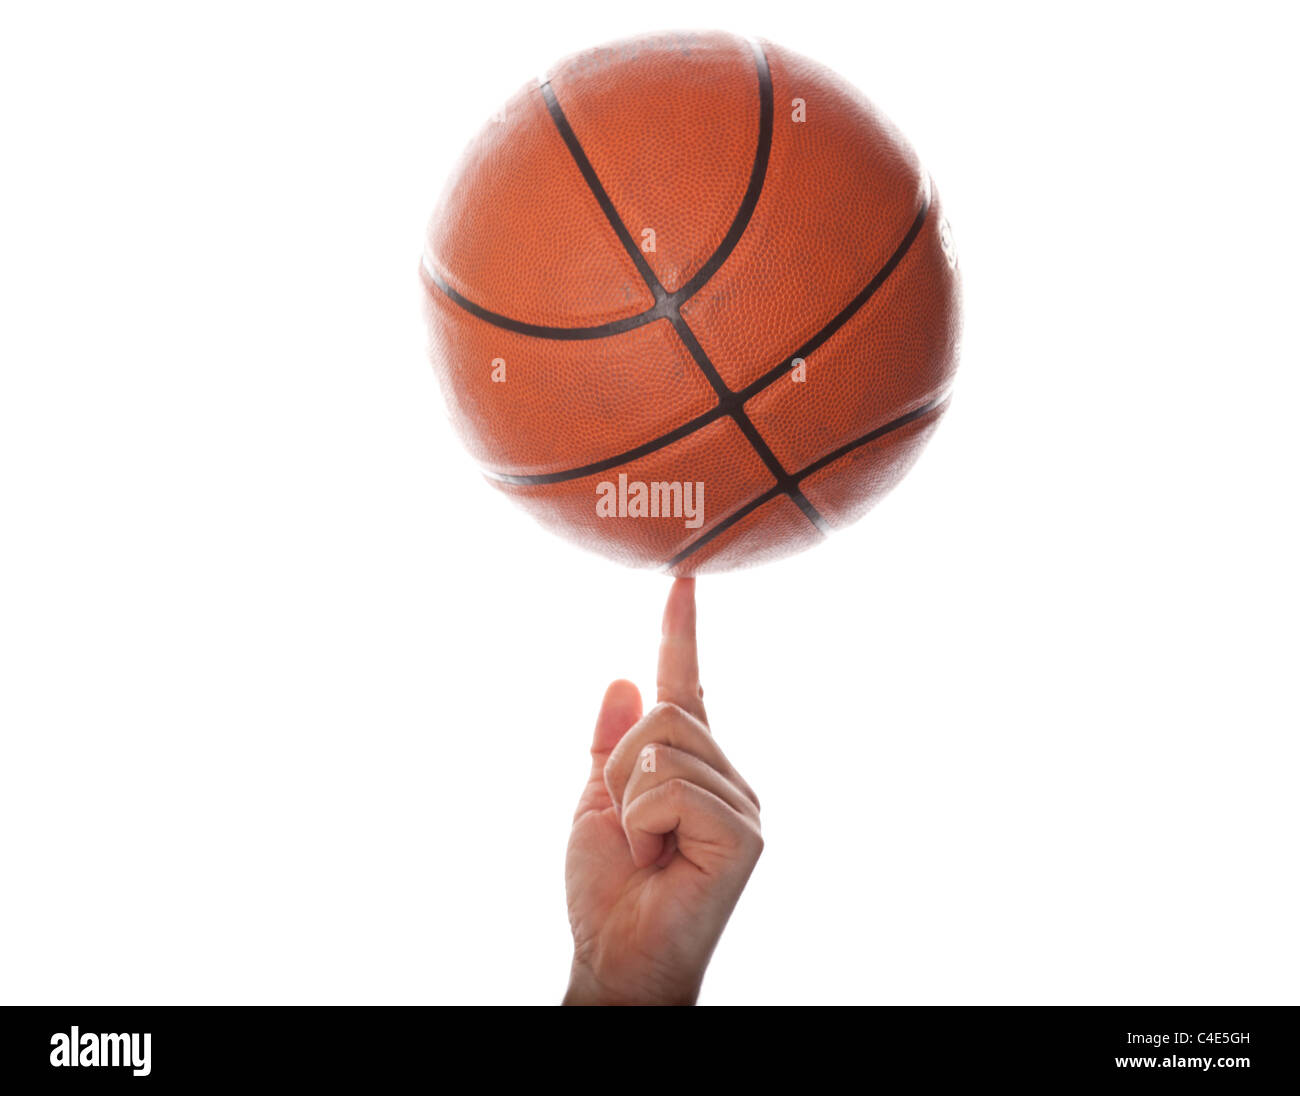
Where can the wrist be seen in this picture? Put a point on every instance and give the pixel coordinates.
(586, 987)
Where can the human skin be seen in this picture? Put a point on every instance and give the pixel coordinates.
(664, 838)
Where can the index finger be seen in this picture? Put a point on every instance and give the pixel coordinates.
(679, 667)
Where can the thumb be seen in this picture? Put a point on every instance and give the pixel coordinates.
(620, 709)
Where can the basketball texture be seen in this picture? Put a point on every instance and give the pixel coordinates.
(692, 301)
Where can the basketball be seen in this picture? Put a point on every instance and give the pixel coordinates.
(692, 301)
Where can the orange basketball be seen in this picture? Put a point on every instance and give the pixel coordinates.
(692, 301)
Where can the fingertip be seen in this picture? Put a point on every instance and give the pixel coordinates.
(679, 613)
(646, 848)
(619, 709)
(622, 692)
(678, 679)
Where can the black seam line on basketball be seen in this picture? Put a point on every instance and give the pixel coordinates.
(540, 479)
(662, 307)
(816, 466)
(757, 174)
(748, 202)
(847, 312)
(716, 412)
(599, 193)
(732, 406)
(723, 526)
(541, 331)
(867, 439)
(784, 480)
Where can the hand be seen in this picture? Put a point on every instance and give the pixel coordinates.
(664, 838)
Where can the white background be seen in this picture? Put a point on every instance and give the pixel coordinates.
(295, 708)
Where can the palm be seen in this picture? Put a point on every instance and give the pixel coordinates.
(634, 919)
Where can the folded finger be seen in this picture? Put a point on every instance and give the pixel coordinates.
(709, 833)
(657, 763)
(672, 726)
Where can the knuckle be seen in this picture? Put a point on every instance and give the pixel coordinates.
(675, 788)
(667, 710)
